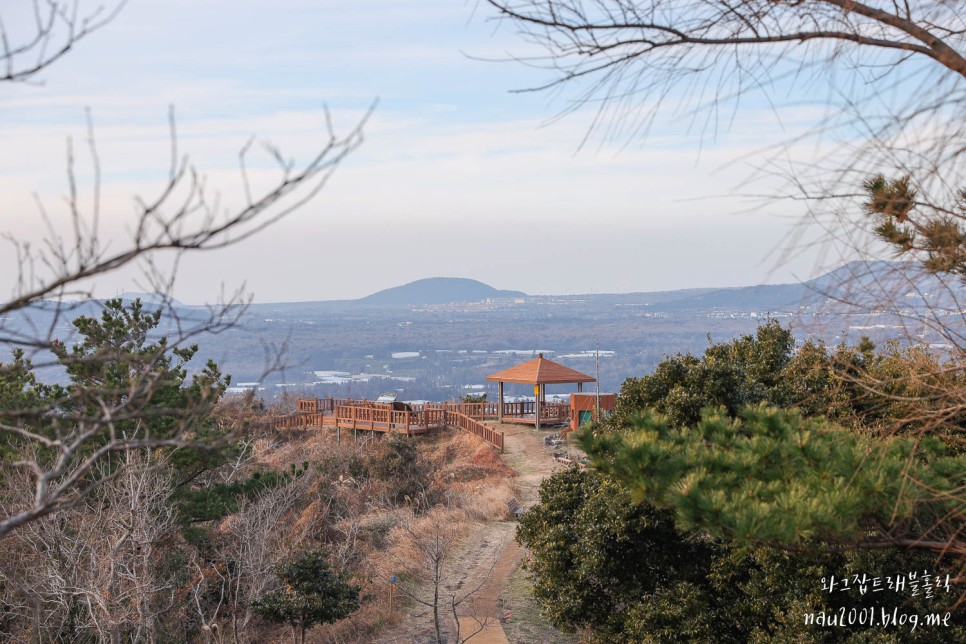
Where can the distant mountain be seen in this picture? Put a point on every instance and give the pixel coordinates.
(872, 277)
(437, 290)
(755, 298)
(859, 283)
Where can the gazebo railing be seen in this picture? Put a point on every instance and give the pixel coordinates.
(549, 412)
(525, 408)
(556, 411)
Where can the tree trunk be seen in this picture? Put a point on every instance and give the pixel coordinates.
(439, 637)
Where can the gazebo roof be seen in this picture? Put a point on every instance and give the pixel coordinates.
(540, 371)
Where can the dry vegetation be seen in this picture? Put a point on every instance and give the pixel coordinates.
(394, 534)
(374, 506)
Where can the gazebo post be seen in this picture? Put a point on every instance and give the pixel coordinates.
(537, 404)
(580, 387)
(499, 410)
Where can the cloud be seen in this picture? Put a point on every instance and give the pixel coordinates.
(455, 177)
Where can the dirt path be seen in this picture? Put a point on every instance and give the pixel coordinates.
(491, 555)
(488, 559)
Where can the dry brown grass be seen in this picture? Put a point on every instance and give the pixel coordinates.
(312, 519)
(278, 450)
(478, 481)
(468, 477)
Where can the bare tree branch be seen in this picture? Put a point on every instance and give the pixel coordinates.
(58, 25)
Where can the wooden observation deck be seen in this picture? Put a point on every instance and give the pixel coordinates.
(341, 413)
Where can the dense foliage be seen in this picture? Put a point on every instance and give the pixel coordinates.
(711, 461)
(770, 476)
(901, 221)
(118, 354)
(622, 572)
(593, 549)
(722, 454)
(863, 387)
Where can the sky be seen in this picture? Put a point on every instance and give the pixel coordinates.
(458, 175)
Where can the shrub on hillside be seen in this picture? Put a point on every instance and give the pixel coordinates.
(397, 462)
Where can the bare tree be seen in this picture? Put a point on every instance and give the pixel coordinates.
(211, 575)
(431, 579)
(348, 523)
(890, 74)
(631, 54)
(96, 570)
(48, 435)
(257, 534)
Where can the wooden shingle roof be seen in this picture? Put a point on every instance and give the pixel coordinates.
(540, 371)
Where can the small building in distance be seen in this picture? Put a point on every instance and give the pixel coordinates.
(583, 408)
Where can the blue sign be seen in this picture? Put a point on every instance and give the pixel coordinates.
(393, 579)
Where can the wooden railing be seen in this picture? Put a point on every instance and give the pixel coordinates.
(431, 414)
(434, 411)
(299, 421)
(320, 405)
(525, 408)
(373, 416)
(478, 410)
(558, 412)
(467, 424)
(549, 412)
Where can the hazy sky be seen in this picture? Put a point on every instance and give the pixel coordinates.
(457, 176)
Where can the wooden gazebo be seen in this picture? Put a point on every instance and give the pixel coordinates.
(538, 372)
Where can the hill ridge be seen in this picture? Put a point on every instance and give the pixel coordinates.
(437, 290)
